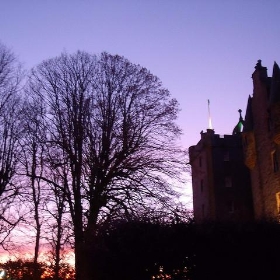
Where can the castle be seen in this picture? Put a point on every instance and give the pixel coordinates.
(237, 177)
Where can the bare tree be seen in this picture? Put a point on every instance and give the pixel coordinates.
(36, 190)
(10, 131)
(59, 226)
(111, 124)
(43, 193)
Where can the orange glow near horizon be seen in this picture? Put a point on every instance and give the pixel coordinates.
(68, 258)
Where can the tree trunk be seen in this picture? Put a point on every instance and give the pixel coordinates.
(82, 263)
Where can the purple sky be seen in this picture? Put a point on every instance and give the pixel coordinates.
(199, 49)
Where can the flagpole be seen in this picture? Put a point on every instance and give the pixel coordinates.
(209, 116)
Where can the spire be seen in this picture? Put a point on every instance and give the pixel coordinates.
(275, 85)
(248, 123)
(240, 116)
(238, 128)
(209, 117)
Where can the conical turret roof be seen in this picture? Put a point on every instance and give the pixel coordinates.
(275, 85)
(238, 128)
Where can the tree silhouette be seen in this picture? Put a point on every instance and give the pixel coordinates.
(111, 137)
(10, 133)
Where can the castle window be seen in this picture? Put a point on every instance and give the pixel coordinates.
(275, 163)
(278, 202)
(231, 206)
(228, 182)
(201, 185)
(226, 156)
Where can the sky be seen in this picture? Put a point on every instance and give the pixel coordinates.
(199, 49)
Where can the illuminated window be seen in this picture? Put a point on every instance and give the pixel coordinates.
(228, 182)
(275, 163)
(3, 274)
(278, 202)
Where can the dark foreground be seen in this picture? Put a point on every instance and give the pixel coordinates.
(180, 251)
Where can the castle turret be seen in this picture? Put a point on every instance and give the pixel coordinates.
(260, 73)
(238, 128)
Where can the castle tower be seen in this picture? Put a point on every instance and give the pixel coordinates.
(220, 180)
(231, 173)
(261, 139)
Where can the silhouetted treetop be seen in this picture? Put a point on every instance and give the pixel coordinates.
(110, 141)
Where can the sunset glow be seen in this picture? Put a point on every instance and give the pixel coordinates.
(103, 101)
